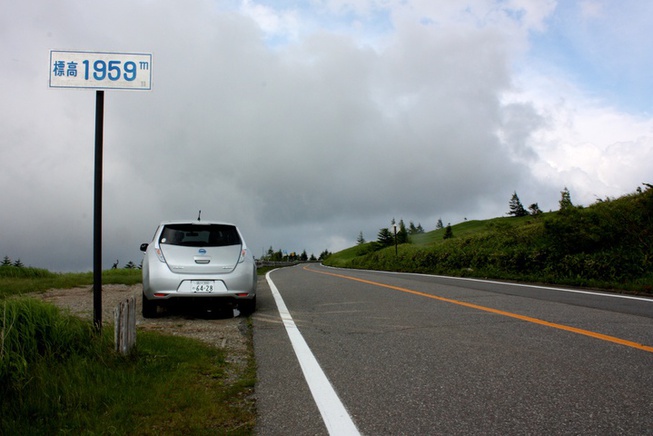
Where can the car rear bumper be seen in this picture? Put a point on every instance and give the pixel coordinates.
(190, 302)
(160, 284)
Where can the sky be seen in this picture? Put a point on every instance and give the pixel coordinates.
(306, 123)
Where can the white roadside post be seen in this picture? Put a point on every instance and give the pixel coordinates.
(99, 71)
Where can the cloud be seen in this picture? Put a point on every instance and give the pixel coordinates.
(303, 131)
(597, 163)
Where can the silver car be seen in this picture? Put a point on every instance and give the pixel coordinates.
(198, 262)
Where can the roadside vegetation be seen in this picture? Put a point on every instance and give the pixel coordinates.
(22, 280)
(58, 376)
(606, 245)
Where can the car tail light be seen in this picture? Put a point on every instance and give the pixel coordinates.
(159, 254)
(243, 254)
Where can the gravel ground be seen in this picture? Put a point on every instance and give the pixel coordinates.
(230, 333)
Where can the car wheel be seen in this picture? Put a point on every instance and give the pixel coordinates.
(247, 307)
(149, 308)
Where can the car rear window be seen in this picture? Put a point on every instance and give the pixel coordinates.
(199, 235)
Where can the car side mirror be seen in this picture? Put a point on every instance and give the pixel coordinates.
(144, 247)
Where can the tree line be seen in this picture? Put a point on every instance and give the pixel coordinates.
(281, 256)
(386, 236)
(517, 209)
(397, 233)
(7, 262)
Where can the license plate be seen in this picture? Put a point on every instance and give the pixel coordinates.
(202, 286)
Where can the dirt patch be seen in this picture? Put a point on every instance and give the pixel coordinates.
(230, 333)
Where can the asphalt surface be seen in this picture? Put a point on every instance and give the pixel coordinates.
(446, 356)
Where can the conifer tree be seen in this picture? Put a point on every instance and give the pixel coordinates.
(385, 238)
(516, 208)
(565, 200)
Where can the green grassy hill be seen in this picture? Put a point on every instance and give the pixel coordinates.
(608, 244)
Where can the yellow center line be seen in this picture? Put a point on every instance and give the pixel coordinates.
(497, 312)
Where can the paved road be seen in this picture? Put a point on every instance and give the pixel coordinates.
(422, 355)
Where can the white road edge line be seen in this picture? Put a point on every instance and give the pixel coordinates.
(335, 416)
(548, 288)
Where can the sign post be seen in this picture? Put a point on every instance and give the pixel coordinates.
(97, 210)
(99, 71)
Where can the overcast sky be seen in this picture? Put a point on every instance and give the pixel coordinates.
(307, 122)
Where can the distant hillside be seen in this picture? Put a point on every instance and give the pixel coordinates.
(608, 244)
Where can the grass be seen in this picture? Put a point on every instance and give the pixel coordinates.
(19, 280)
(263, 270)
(57, 376)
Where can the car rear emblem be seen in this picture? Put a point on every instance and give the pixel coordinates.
(202, 251)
